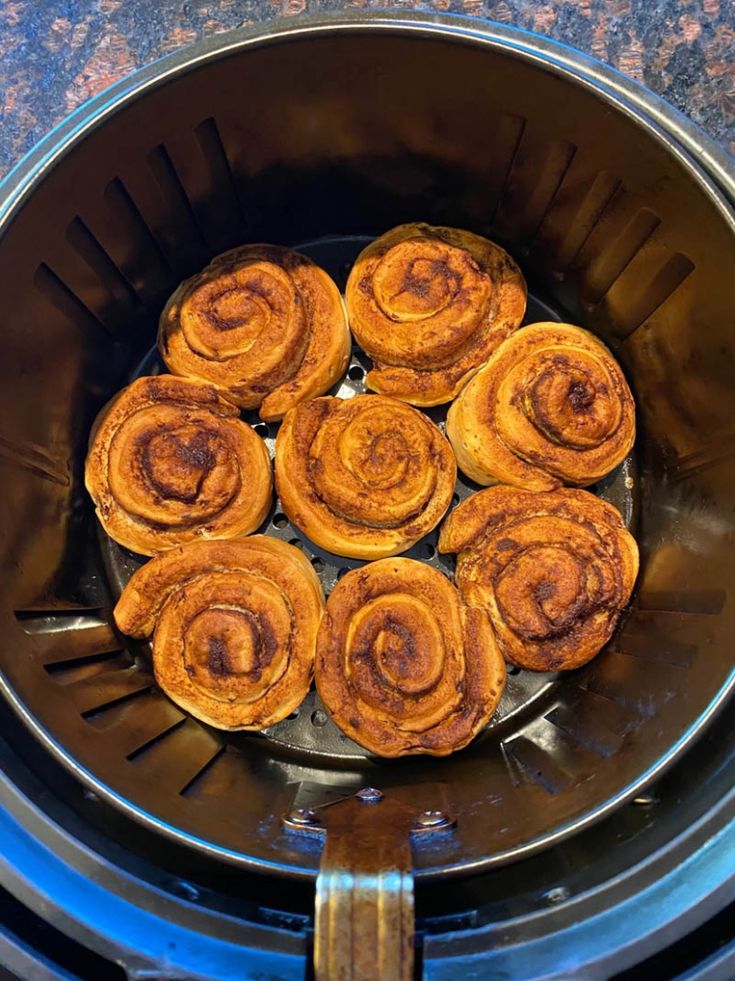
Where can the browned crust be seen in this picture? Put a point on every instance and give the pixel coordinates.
(550, 407)
(402, 665)
(553, 569)
(365, 477)
(234, 627)
(170, 462)
(468, 295)
(262, 322)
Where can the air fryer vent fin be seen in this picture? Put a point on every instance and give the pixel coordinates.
(701, 601)
(35, 458)
(184, 241)
(132, 246)
(172, 763)
(200, 164)
(720, 447)
(159, 734)
(116, 301)
(222, 178)
(581, 722)
(104, 690)
(632, 682)
(536, 175)
(82, 669)
(574, 214)
(642, 636)
(225, 775)
(614, 257)
(136, 723)
(508, 136)
(68, 635)
(538, 765)
(62, 298)
(645, 295)
(188, 790)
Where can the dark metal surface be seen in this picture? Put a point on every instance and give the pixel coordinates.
(616, 230)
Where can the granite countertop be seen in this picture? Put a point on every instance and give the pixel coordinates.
(54, 54)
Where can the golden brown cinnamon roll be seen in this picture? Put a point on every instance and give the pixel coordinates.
(234, 628)
(550, 407)
(170, 461)
(262, 322)
(367, 477)
(553, 569)
(429, 305)
(402, 665)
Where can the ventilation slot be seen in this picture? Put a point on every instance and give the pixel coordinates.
(720, 447)
(581, 722)
(538, 765)
(60, 637)
(98, 694)
(29, 456)
(224, 778)
(63, 299)
(189, 789)
(613, 259)
(648, 641)
(508, 136)
(158, 737)
(536, 175)
(112, 296)
(135, 249)
(632, 682)
(136, 723)
(175, 762)
(83, 668)
(644, 296)
(205, 175)
(569, 223)
(707, 601)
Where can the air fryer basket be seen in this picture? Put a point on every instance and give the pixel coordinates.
(320, 138)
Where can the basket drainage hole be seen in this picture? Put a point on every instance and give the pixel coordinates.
(319, 718)
(455, 500)
(294, 715)
(428, 550)
(342, 572)
(317, 564)
(280, 521)
(356, 372)
(514, 670)
(297, 543)
(261, 429)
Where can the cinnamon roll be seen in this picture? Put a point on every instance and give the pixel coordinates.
(402, 664)
(262, 322)
(234, 628)
(366, 478)
(550, 407)
(553, 570)
(430, 305)
(169, 461)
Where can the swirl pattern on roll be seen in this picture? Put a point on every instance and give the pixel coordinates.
(262, 322)
(430, 305)
(553, 569)
(170, 462)
(234, 628)
(365, 477)
(550, 407)
(402, 664)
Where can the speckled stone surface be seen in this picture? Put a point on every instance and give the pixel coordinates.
(54, 54)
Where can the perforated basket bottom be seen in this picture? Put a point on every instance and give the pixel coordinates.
(309, 730)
